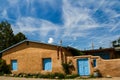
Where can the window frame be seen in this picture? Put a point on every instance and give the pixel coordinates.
(12, 65)
(43, 64)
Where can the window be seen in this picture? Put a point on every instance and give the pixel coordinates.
(14, 64)
(94, 62)
(47, 64)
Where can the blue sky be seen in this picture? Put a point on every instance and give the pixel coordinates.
(78, 23)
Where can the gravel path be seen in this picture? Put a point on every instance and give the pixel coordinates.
(17, 78)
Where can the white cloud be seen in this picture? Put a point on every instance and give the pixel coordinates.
(77, 18)
(79, 21)
(53, 3)
(50, 40)
(4, 13)
(13, 2)
(30, 25)
(115, 26)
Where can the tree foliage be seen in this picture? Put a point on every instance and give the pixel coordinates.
(75, 52)
(19, 37)
(4, 68)
(7, 37)
(66, 68)
(116, 43)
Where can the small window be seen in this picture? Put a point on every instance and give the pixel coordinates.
(47, 64)
(94, 62)
(14, 64)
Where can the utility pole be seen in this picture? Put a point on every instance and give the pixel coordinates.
(92, 45)
(60, 42)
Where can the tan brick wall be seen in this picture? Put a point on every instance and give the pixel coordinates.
(30, 57)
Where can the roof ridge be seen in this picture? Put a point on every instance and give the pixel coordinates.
(25, 41)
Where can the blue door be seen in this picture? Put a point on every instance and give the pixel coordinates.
(83, 67)
(47, 64)
(14, 64)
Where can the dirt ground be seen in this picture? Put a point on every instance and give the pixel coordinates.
(16, 78)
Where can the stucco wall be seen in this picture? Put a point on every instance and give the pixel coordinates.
(106, 67)
(30, 57)
(75, 66)
(109, 67)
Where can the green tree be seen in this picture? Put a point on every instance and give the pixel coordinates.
(119, 41)
(7, 37)
(4, 68)
(116, 43)
(75, 52)
(19, 37)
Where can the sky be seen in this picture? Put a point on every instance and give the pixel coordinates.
(78, 23)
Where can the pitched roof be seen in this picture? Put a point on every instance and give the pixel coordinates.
(26, 41)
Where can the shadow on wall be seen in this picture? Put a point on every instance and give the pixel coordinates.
(68, 67)
(97, 73)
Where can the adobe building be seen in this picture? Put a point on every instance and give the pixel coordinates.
(35, 57)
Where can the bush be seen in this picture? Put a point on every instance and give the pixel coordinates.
(52, 76)
(49, 75)
(66, 68)
(59, 75)
(4, 68)
(71, 76)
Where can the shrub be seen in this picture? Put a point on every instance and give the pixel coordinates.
(71, 76)
(48, 76)
(52, 76)
(29, 75)
(66, 68)
(59, 75)
(4, 68)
